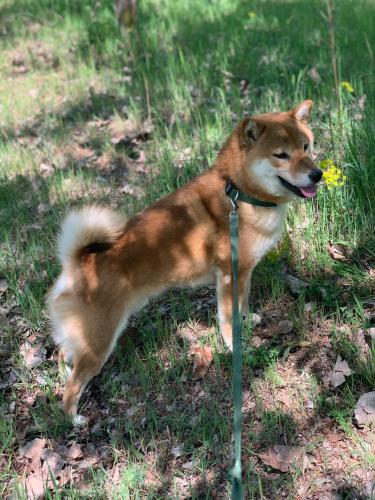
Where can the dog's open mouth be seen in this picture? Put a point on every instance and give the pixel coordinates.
(303, 192)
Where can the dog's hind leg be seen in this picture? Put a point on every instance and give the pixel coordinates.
(86, 366)
(100, 337)
(86, 334)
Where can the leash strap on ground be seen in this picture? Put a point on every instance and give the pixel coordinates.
(235, 195)
(237, 488)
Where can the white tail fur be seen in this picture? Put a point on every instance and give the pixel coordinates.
(85, 226)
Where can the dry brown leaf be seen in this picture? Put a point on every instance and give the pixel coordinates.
(41, 479)
(127, 130)
(284, 458)
(66, 475)
(339, 372)
(202, 361)
(337, 252)
(33, 450)
(79, 153)
(88, 462)
(34, 485)
(33, 355)
(365, 409)
(52, 462)
(363, 347)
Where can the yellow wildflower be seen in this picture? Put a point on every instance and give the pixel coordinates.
(347, 86)
(332, 174)
(252, 14)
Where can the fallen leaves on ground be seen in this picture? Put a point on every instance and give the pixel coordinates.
(47, 467)
(36, 55)
(74, 451)
(32, 355)
(337, 252)
(285, 458)
(33, 451)
(80, 153)
(339, 372)
(362, 345)
(126, 130)
(365, 409)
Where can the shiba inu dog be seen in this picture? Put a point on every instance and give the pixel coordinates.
(112, 266)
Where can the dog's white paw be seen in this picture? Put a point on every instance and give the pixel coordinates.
(79, 421)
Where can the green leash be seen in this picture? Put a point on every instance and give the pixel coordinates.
(235, 195)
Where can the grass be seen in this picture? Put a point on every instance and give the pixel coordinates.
(69, 81)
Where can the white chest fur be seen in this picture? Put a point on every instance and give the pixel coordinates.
(263, 226)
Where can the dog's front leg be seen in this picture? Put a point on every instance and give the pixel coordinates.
(244, 299)
(225, 303)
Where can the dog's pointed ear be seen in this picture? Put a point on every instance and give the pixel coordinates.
(302, 111)
(250, 131)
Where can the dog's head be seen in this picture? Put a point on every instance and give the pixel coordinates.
(276, 154)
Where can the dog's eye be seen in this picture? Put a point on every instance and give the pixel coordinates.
(305, 146)
(282, 156)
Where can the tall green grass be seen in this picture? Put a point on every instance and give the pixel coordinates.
(194, 68)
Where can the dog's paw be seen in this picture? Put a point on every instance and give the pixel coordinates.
(79, 421)
(202, 361)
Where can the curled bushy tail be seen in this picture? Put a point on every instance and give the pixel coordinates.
(90, 227)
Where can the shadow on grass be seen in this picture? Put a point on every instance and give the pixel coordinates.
(174, 409)
(72, 116)
(193, 36)
(97, 25)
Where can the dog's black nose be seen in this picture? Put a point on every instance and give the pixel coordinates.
(316, 174)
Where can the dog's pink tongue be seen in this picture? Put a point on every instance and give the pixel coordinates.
(309, 192)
